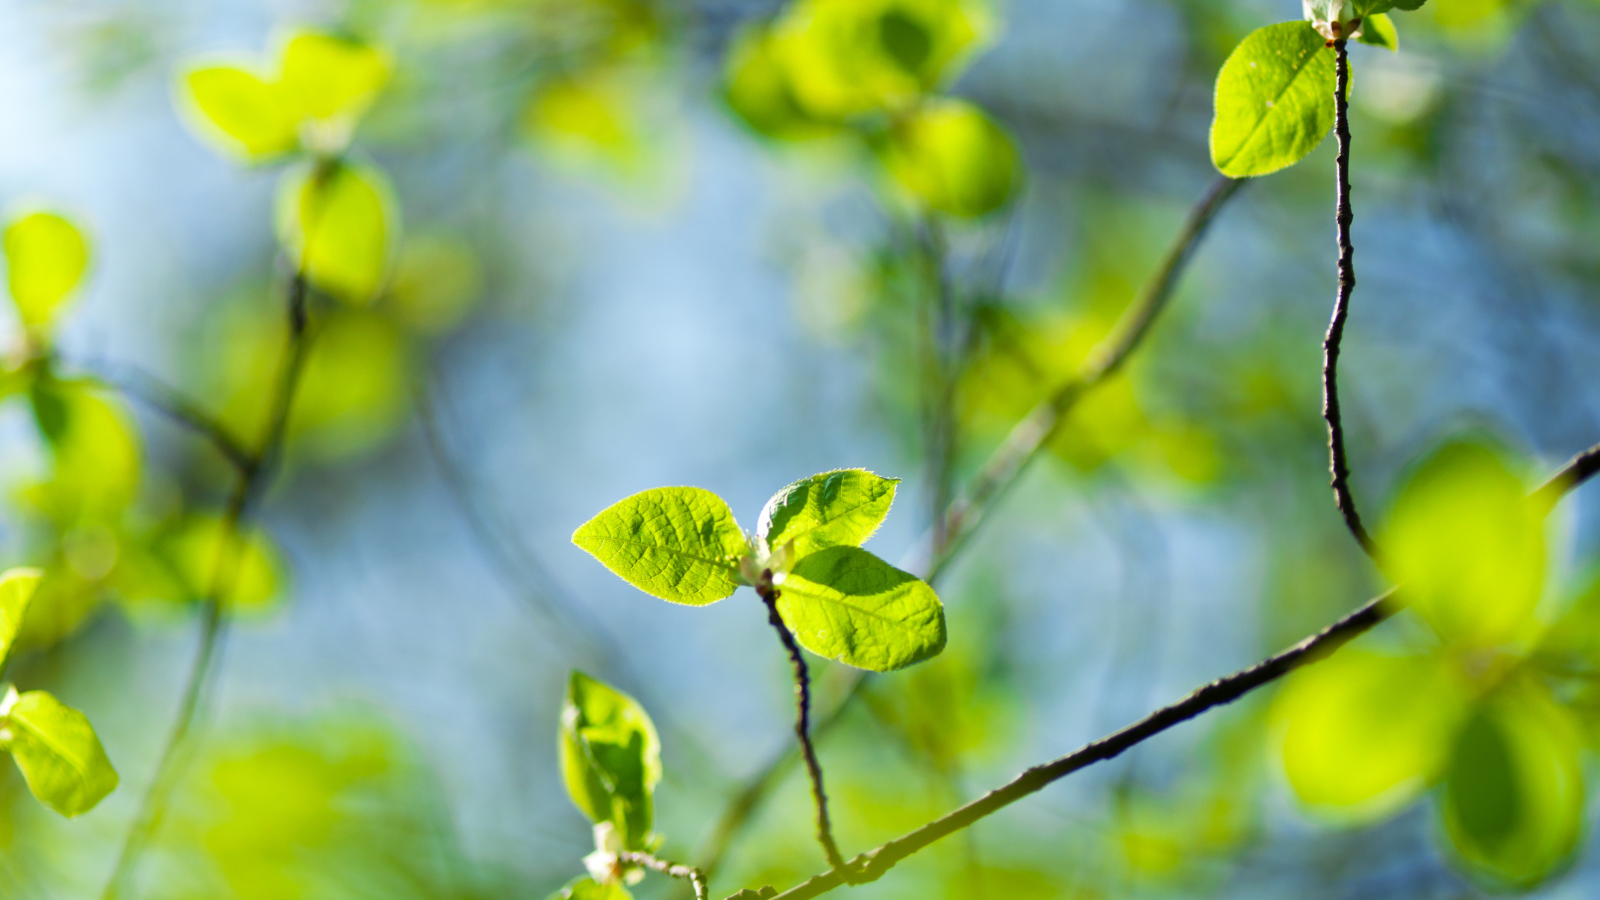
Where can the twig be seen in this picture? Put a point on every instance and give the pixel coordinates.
(1577, 470)
(137, 384)
(253, 481)
(1338, 459)
(695, 877)
(802, 725)
(1042, 424)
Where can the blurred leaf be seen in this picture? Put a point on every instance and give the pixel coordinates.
(338, 223)
(239, 112)
(844, 603)
(46, 256)
(1513, 799)
(839, 508)
(610, 758)
(17, 587)
(1379, 31)
(325, 76)
(1274, 100)
(195, 549)
(1364, 734)
(1466, 546)
(680, 544)
(587, 888)
(953, 158)
(64, 602)
(57, 751)
(759, 90)
(436, 283)
(353, 392)
(95, 448)
(591, 116)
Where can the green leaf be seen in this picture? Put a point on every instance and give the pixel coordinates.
(46, 256)
(1466, 547)
(587, 888)
(195, 549)
(1274, 100)
(1379, 31)
(338, 223)
(610, 757)
(953, 158)
(239, 112)
(325, 76)
(839, 508)
(57, 750)
(1513, 799)
(17, 587)
(679, 543)
(1364, 734)
(844, 603)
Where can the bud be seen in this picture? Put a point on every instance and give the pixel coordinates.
(1335, 20)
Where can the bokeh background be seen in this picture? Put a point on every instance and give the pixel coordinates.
(621, 265)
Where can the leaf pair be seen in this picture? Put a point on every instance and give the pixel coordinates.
(683, 545)
(53, 744)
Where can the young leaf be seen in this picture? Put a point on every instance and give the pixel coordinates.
(325, 76)
(610, 757)
(1466, 546)
(1379, 31)
(680, 544)
(844, 603)
(239, 112)
(1513, 799)
(57, 751)
(952, 157)
(338, 223)
(587, 888)
(1274, 100)
(17, 587)
(841, 508)
(46, 257)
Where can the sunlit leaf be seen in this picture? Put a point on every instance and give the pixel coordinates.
(1513, 799)
(680, 544)
(1379, 31)
(610, 757)
(1365, 734)
(843, 603)
(17, 587)
(353, 393)
(65, 601)
(251, 564)
(1274, 100)
(759, 90)
(587, 888)
(46, 256)
(95, 448)
(839, 508)
(239, 112)
(324, 76)
(338, 223)
(954, 158)
(57, 751)
(1466, 547)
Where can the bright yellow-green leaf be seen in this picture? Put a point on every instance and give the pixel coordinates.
(254, 566)
(323, 76)
(338, 222)
(587, 888)
(46, 256)
(353, 392)
(839, 508)
(843, 603)
(96, 451)
(610, 758)
(1274, 100)
(1513, 799)
(681, 544)
(1364, 734)
(1379, 31)
(436, 282)
(17, 587)
(953, 158)
(64, 602)
(57, 751)
(759, 90)
(240, 112)
(1466, 547)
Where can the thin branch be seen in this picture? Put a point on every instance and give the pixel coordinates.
(1577, 470)
(1041, 425)
(695, 877)
(137, 384)
(802, 725)
(253, 482)
(1338, 459)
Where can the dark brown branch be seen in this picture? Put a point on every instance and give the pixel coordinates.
(1577, 470)
(802, 725)
(1338, 459)
(1042, 424)
(695, 877)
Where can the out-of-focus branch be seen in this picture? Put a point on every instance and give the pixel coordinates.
(137, 384)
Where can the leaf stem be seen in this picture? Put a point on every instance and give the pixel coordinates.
(695, 877)
(254, 478)
(1344, 216)
(802, 727)
(137, 384)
